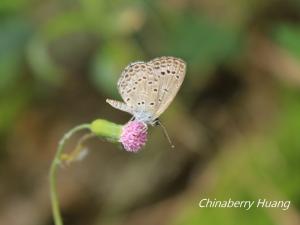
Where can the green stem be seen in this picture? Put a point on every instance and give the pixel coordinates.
(53, 172)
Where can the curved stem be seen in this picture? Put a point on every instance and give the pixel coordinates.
(53, 172)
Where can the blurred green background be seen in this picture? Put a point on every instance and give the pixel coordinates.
(235, 121)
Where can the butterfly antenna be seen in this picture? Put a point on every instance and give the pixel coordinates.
(166, 133)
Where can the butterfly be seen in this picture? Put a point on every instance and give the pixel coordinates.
(148, 88)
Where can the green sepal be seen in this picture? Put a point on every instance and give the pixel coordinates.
(107, 129)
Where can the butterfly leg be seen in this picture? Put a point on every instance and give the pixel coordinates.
(155, 122)
(145, 127)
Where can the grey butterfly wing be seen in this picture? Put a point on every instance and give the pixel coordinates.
(139, 89)
(170, 72)
(148, 88)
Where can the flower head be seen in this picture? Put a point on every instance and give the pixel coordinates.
(134, 136)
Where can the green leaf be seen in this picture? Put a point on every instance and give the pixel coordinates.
(14, 34)
(288, 36)
(108, 64)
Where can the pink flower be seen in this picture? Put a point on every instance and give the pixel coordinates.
(134, 136)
